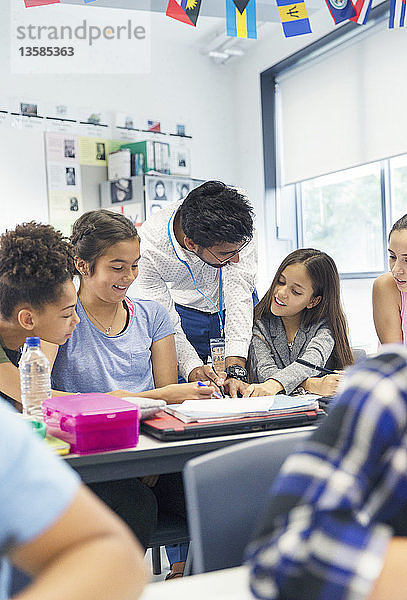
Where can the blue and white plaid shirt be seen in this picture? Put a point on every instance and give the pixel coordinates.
(342, 495)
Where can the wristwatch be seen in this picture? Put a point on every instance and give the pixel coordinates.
(236, 372)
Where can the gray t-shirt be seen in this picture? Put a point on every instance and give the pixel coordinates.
(91, 361)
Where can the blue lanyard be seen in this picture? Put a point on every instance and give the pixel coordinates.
(218, 310)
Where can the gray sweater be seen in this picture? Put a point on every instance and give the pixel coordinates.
(271, 358)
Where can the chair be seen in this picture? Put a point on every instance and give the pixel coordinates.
(358, 354)
(171, 529)
(226, 491)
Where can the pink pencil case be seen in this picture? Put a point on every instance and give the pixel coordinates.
(92, 422)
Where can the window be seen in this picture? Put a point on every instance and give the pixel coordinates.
(398, 175)
(341, 213)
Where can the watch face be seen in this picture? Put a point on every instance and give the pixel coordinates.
(240, 370)
(236, 370)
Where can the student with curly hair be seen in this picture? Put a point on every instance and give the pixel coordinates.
(37, 296)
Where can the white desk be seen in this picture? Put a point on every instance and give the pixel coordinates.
(152, 456)
(229, 584)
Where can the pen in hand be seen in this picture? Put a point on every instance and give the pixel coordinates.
(316, 367)
(221, 392)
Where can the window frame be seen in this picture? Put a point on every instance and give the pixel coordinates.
(385, 207)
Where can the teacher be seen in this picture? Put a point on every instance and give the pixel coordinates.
(199, 260)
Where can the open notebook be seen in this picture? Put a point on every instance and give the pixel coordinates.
(227, 408)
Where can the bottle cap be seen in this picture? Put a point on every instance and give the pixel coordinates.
(32, 341)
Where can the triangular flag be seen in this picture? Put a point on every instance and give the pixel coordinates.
(175, 11)
(362, 8)
(241, 25)
(397, 14)
(30, 3)
(240, 5)
(294, 17)
(191, 8)
(341, 10)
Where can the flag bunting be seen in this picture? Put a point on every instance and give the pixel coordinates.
(186, 11)
(239, 24)
(294, 17)
(362, 9)
(397, 14)
(341, 10)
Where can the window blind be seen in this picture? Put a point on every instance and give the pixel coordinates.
(344, 108)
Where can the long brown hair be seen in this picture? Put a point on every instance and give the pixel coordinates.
(325, 283)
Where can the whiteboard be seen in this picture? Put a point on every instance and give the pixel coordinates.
(23, 186)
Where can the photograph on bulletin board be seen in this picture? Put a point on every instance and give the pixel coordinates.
(159, 192)
(121, 191)
(182, 188)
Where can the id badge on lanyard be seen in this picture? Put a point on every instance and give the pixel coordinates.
(218, 354)
(218, 344)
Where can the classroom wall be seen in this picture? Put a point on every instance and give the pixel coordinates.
(183, 86)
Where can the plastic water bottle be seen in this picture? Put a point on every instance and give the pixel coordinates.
(35, 378)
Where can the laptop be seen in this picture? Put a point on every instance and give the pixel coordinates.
(166, 427)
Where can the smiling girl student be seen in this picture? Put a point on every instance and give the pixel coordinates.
(122, 343)
(299, 317)
(390, 290)
(38, 298)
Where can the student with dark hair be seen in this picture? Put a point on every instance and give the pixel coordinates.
(55, 530)
(199, 261)
(299, 317)
(122, 344)
(335, 525)
(390, 289)
(125, 346)
(37, 296)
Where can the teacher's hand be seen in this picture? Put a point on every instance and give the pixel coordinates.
(206, 372)
(234, 386)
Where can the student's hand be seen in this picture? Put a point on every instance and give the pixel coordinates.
(234, 386)
(175, 393)
(323, 386)
(206, 372)
(268, 388)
